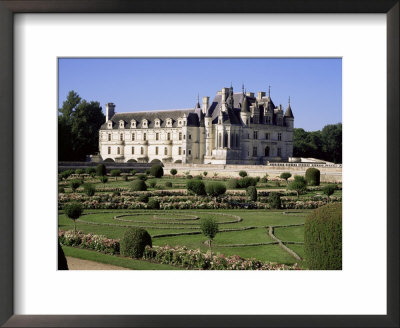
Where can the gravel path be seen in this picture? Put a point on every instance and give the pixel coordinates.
(78, 264)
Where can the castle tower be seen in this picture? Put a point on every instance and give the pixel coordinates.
(245, 111)
(208, 130)
(289, 118)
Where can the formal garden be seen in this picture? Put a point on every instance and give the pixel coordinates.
(173, 220)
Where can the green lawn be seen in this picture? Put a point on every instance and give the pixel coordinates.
(115, 260)
(156, 223)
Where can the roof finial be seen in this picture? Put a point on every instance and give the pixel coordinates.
(289, 100)
(242, 87)
(269, 91)
(198, 97)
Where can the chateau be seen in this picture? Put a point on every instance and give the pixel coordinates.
(235, 128)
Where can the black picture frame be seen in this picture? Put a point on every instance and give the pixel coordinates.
(7, 10)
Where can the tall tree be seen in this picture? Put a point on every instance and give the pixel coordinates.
(79, 122)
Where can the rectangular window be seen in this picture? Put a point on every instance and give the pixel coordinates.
(279, 136)
(144, 136)
(121, 137)
(109, 137)
(184, 137)
(141, 150)
(248, 136)
(165, 151)
(156, 150)
(267, 136)
(279, 152)
(118, 151)
(255, 134)
(180, 135)
(157, 135)
(133, 150)
(169, 136)
(133, 137)
(184, 152)
(179, 151)
(190, 136)
(254, 151)
(189, 152)
(109, 150)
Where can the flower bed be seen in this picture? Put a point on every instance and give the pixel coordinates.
(194, 259)
(89, 241)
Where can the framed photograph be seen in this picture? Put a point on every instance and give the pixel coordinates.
(76, 58)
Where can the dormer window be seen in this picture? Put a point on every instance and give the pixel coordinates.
(169, 122)
(121, 124)
(133, 124)
(144, 124)
(180, 122)
(109, 125)
(157, 123)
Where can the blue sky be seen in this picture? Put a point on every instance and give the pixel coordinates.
(135, 84)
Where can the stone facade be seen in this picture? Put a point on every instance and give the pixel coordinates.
(235, 128)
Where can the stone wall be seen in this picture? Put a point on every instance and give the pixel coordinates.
(329, 172)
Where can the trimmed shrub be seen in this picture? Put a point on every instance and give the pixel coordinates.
(274, 200)
(168, 184)
(134, 242)
(73, 211)
(89, 189)
(196, 186)
(299, 185)
(79, 171)
(101, 170)
(142, 177)
(189, 176)
(147, 171)
(329, 190)
(313, 176)
(115, 173)
(173, 171)
(209, 228)
(90, 170)
(157, 171)
(246, 182)
(144, 198)
(153, 204)
(198, 177)
(103, 179)
(74, 184)
(215, 189)
(138, 185)
(61, 190)
(232, 184)
(205, 173)
(62, 260)
(152, 183)
(251, 193)
(257, 179)
(133, 172)
(285, 176)
(323, 238)
(243, 174)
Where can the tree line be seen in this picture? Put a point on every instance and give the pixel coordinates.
(325, 144)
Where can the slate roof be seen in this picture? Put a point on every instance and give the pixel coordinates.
(289, 112)
(192, 118)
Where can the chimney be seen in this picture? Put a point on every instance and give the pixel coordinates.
(250, 94)
(205, 104)
(260, 94)
(224, 96)
(110, 111)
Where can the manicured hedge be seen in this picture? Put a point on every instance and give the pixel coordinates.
(138, 185)
(196, 186)
(323, 238)
(101, 170)
(251, 193)
(313, 176)
(157, 171)
(134, 242)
